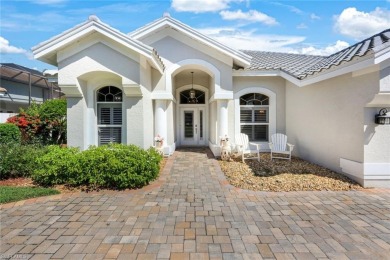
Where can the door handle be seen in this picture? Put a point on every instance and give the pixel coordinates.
(196, 129)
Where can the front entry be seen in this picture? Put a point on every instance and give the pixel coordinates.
(192, 126)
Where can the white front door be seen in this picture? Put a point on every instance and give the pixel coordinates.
(192, 122)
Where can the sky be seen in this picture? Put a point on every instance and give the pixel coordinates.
(306, 27)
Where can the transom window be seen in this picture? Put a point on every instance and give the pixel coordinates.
(192, 96)
(109, 106)
(254, 116)
(109, 94)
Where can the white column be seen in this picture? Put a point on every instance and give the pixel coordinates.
(160, 119)
(222, 118)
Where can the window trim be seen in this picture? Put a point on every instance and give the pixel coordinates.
(271, 113)
(111, 104)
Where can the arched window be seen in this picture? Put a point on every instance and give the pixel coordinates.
(192, 96)
(109, 106)
(254, 116)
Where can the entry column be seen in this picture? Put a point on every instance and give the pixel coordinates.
(160, 119)
(222, 117)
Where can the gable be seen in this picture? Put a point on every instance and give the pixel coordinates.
(184, 51)
(48, 51)
(167, 26)
(98, 57)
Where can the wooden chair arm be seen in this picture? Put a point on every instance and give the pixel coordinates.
(291, 146)
(257, 145)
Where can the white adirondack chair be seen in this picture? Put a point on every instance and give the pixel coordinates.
(245, 147)
(279, 145)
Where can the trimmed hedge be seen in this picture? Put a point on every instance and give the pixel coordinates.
(110, 166)
(9, 133)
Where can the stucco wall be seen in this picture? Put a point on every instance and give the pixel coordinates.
(76, 131)
(274, 84)
(97, 66)
(326, 120)
(183, 52)
(98, 57)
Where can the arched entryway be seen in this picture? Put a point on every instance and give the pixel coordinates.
(192, 115)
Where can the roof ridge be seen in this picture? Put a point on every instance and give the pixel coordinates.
(362, 42)
(284, 53)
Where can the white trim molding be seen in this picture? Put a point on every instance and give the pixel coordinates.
(71, 90)
(132, 90)
(367, 173)
(205, 66)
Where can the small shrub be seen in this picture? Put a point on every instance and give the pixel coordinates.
(42, 123)
(115, 166)
(9, 133)
(56, 166)
(19, 160)
(118, 166)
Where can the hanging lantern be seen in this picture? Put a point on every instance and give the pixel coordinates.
(192, 99)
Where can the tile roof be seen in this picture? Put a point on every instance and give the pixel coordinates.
(301, 66)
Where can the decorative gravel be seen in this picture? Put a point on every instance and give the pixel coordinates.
(283, 175)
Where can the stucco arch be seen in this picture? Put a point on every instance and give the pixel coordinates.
(205, 66)
(272, 107)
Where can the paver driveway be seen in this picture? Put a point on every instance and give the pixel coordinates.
(192, 213)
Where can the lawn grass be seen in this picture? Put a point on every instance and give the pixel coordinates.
(12, 193)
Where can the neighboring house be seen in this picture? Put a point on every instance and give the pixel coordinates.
(20, 86)
(170, 80)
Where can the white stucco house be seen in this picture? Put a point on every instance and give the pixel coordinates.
(168, 79)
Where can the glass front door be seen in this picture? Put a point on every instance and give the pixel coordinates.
(192, 126)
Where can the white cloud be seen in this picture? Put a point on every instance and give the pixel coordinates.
(313, 16)
(360, 25)
(328, 50)
(6, 48)
(292, 8)
(251, 16)
(250, 40)
(44, 22)
(241, 39)
(201, 6)
(302, 26)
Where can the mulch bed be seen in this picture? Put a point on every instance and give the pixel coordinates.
(283, 175)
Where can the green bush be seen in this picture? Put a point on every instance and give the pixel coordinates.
(19, 160)
(42, 123)
(9, 133)
(52, 109)
(56, 166)
(110, 166)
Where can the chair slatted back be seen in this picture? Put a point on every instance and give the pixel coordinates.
(279, 141)
(242, 139)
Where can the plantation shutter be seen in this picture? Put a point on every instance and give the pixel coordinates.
(109, 123)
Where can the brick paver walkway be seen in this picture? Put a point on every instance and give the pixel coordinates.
(192, 213)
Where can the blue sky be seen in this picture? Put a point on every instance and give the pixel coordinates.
(307, 27)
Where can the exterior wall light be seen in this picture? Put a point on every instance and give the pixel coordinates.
(383, 118)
